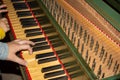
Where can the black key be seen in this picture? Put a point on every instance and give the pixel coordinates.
(55, 40)
(47, 28)
(43, 22)
(70, 63)
(32, 30)
(40, 44)
(52, 74)
(38, 56)
(73, 69)
(80, 73)
(29, 24)
(65, 56)
(52, 37)
(42, 18)
(23, 13)
(38, 11)
(57, 44)
(41, 48)
(16, 0)
(20, 6)
(50, 31)
(33, 34)
(60, 78)
(38, 39)
(50, 68)
(33, 4)
(62, 51)
(47, 60)
(27, 20)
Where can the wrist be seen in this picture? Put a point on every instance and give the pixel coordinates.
(2, 33)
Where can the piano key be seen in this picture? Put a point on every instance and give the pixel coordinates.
(52, 74)
(47, 28)
(60, 43)
(31, 21)
(38, 39)
(54, 40)
(73, 69)
(44, 22)
(52, 37)
(46, 60)
(50, 68)
(49, 31)
(38, 12)
(42, 18)
(32, 30)
(33, 34)
(65, 56)
(20, 6)
(33, 4)
(62, 51)
(16, 0)
(70, 63)
(27, 20)
(54, 67)
(29, 25)
(24, 13)
(40, 44)
(77, 74)
(38, 56)
(60, 78)
(41, 48)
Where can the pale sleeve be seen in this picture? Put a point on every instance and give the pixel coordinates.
(3, 51)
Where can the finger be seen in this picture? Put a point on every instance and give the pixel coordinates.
(26, 42)
(17, 40)
(20, 61)
(25, 47)
(5, 20)
(3, 6)
(2, 11)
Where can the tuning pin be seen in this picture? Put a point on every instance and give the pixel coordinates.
(96, 48)
(99, 71)
(91, 43)
(87, 40)
(102, 53)
(115, 66)
(93, 65)
(110, 63)
(89, 60)
(109, 59)
(103, 75)
(86, 57)
(105, 57)
(82, 48)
